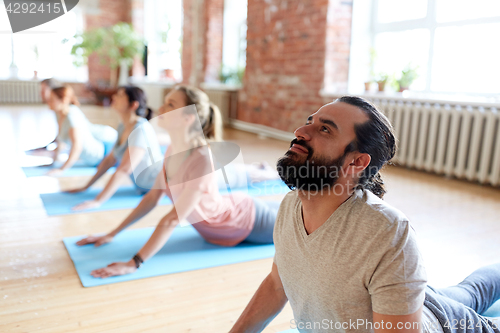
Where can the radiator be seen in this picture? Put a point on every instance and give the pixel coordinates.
(13, 91)
(454, 139)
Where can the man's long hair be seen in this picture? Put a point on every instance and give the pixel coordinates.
(376, 138)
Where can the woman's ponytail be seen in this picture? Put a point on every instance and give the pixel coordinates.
(208, 113)
(149, 113)
(136, 94)
(212, 128)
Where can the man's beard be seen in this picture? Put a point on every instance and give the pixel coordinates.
(309, 174)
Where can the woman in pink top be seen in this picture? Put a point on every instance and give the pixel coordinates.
(188, 178)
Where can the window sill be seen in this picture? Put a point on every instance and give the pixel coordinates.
(39, 80)
(146, 81)
(422, 97)
(220, 86)
(171, 83)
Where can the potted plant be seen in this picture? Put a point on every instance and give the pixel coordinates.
(382, 81)
(116, 46)
(408, 75)
(164, 37)
(37, 57)
(368, 85)
(231, 76)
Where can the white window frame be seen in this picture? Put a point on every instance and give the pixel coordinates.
(152, 19)
(37, 30)
(370, 12)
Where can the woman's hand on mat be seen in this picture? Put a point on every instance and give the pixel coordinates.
(114, 269)
(55, 172)
(96, 240)
(87, 205)
(77, 190)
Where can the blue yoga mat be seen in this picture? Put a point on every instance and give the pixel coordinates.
(61, 203)
(493, 311)
(71, 172)
(74, 171)
(186, 250)
(128, 197)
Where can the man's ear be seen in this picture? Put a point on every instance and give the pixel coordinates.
(358, 163)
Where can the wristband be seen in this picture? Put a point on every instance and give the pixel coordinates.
(138, 260)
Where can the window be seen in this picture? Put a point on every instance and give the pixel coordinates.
(163, 33)
(466, 59)
(400, 10)
(41, 49)
(453, 43)
(234, 43)
(395, 50)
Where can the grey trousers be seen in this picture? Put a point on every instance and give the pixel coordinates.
(459, 308)
(265, 217)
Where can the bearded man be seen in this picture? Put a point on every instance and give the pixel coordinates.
(346, 260)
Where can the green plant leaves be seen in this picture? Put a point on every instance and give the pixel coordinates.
(111, 44)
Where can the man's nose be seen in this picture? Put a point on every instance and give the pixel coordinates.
(302, 133)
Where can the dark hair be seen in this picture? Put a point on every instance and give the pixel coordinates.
(208, 112)
(52, 83)
(66, 92)
(136, 94)
(374, 137)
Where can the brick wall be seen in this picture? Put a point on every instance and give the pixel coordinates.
(214, 20)
(202, 40)
(338, 45)
(286, 57)
(187, 35)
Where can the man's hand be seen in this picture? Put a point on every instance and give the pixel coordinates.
(96, 240)
(115, 269)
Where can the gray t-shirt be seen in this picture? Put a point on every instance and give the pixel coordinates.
(364, 258)
(92, 135)
(142, 136)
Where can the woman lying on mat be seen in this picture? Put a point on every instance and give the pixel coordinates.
(86, 141)
(187, 179)
(46, 87)
(136, 145)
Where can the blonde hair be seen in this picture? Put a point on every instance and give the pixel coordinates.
(66, 93)
(208, 112)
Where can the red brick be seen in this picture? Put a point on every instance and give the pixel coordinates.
(296, 41)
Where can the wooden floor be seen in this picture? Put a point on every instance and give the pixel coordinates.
(457, 223)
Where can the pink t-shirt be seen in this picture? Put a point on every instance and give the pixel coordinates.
(220, 219)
